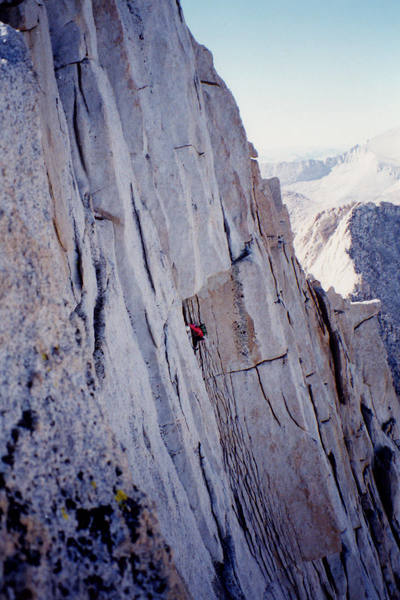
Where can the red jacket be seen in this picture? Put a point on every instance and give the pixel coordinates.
(196, 331)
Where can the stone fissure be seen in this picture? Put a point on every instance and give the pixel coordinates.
(77, 134)
(334, 343)
(278, 293)
(99, 322)
(189, 146)
(80, 83)
(259, 364)
(364, 321)
(290, 414)
(266, 397)
(227, 577)
(142, 241)
(213, 83)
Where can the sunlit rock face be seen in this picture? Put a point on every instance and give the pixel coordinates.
(262, 465)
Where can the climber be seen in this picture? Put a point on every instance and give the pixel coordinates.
(198, 333)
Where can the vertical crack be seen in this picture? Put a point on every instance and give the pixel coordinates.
(178, 4)
(77, 133)
(143, 244)
(334, 344)
(229, 585)
(266, 397)
(99, 321)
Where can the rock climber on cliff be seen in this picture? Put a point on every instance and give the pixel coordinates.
(198, 333)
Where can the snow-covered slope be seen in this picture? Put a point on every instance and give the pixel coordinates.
(324, 211)
(367, 173)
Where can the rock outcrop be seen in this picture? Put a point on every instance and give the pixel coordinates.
(263, 465)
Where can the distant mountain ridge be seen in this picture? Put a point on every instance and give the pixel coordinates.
(291, 172)
(384, 147)
(299, 153)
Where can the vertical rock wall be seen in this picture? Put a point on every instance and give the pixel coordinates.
(132, 205)
(72, 522)
(377, 264)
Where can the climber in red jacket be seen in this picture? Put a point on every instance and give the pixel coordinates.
(198, 333)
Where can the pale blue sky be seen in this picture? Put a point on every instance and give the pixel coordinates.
(306, 73)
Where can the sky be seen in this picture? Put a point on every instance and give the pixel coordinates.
(306, 74)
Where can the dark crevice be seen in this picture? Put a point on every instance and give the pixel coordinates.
(332, 461)
(55, 224)
(196, 87)
(58, 235)
(334, 344)
(205, 82)
(79, 71)
(284, 251)
(189, 146)
(75, 126)
(227, 583)
(177, 389)
(79, 261)
(260, 229)
(278, 295)
(146, 316)
(178, 4)
(6, 14)
(382, 471)
(343, 560)
(244, 253)
(227, 231)
(363, 321)
(263, 362)
(371, 518)
(367, 416)
(174, 380)
(329, 574)
(99, 321)
(165, 332)
(73, 62)
(311, 395)
(387, 427)
(266, 398)
(290, 414)
(103, 215)
(144, 249)
(240, 514)
(313, 296)
(10, 3)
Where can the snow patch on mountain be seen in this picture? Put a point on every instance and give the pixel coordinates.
(321, 240)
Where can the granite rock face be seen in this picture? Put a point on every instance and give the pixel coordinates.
(263, 465)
